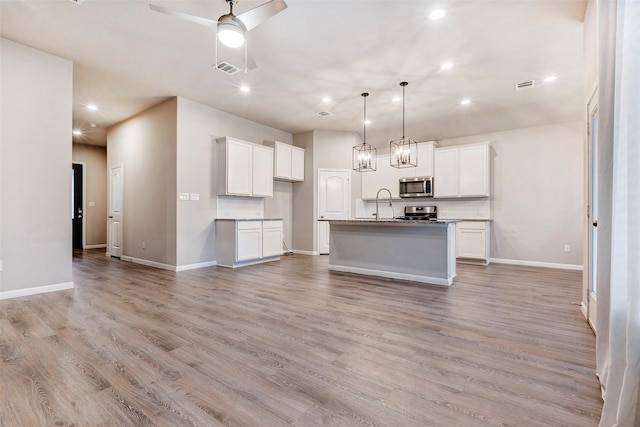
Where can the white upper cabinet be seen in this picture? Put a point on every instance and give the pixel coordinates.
(244, 168)
(387, 176)
(462, 171)
(289, 161)
(262, 171)
(425, 161)
(384, 176)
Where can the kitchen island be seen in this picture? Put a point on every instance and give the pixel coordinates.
(420, 251)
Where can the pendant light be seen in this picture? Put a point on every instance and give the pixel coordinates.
(404, 151)
(364, 155)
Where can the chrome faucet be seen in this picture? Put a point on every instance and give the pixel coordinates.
(378, 198)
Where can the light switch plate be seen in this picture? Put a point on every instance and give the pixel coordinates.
(184, 196)
(194, 196)
(92, 204)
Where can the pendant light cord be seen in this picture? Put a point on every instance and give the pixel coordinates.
(364, 121)
(403, 84)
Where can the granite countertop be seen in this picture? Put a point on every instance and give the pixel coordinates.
(249, 219)
(388, 221)
(467, 219)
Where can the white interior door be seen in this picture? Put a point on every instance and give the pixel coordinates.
(115, 211)
(592, 213)
(334, 201)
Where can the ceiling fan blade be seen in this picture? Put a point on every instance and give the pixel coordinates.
(187, 17)
(256, 16)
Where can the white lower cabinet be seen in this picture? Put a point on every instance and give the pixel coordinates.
(271, 238)
(472, 242)
(240, 243)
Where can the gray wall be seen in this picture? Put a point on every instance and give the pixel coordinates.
(198, 127)
(95, 172)
(537, 192)
(324, 150)
(146, 147)
(35, 167)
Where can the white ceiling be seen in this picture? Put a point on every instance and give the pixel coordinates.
(128, 57)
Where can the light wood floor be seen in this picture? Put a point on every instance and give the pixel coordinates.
(292, 343)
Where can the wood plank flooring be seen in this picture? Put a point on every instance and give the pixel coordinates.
(290, 343)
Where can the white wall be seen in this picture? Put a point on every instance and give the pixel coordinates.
(35, 168)
(95, 172)
(537, 192)
(198, 128)
(146, 147)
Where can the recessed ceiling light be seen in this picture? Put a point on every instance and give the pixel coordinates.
(93, 125)
(77, 132)
(465, 101)
(326, 99)
(92, 107)
(550, 79)
(396, 99)
(245, 88)
(367, 122)
(446, 66)
(436, 14)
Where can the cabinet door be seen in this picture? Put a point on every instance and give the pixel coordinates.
(262, 171)
(384, 177)
(249, 240)
(445, 170)
(474, 171)
(297, 164)
(282, 167)
(471, 240)
(425, 159)
(238, 166)
(271, 238)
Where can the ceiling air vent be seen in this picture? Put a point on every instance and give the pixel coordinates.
(227, 68)
(77, 1)
(325, 114)
(529, 84)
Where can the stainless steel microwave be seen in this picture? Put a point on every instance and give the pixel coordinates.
(421, 186)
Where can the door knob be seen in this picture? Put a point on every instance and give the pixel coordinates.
(110, 217)
(595, 223)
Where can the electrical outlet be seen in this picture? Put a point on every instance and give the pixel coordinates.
(144, 245)
(184, 196)
(567, 248)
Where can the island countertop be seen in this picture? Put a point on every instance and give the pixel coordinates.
(391, 221)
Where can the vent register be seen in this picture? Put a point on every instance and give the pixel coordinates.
(529, 84)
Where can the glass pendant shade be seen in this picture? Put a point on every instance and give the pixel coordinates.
(403, 151)
(230, 31)
(364, 156)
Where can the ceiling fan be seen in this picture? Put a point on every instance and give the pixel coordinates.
(231, 30)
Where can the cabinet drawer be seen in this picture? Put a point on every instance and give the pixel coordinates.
(249, 225)
(271, 224)
(472, 225)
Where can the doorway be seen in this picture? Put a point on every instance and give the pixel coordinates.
(77, 205)
(591, 284)
(334, 201)
(114, 233)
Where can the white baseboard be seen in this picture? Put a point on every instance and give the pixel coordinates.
(168, 266)
(103, 245)
(583, 309)
(537, 264)
(298, 251)
(186, 267)
(35, 290)
(148, 263)
(392, 275)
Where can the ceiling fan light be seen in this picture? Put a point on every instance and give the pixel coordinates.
(230, 34)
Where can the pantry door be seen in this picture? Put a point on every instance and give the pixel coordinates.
(334, 201)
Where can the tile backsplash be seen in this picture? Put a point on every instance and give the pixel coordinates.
(230, 207)
(447, 209)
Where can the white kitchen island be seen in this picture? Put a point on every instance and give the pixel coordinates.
(420, 251)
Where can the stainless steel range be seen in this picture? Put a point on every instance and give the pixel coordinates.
(423, 213)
